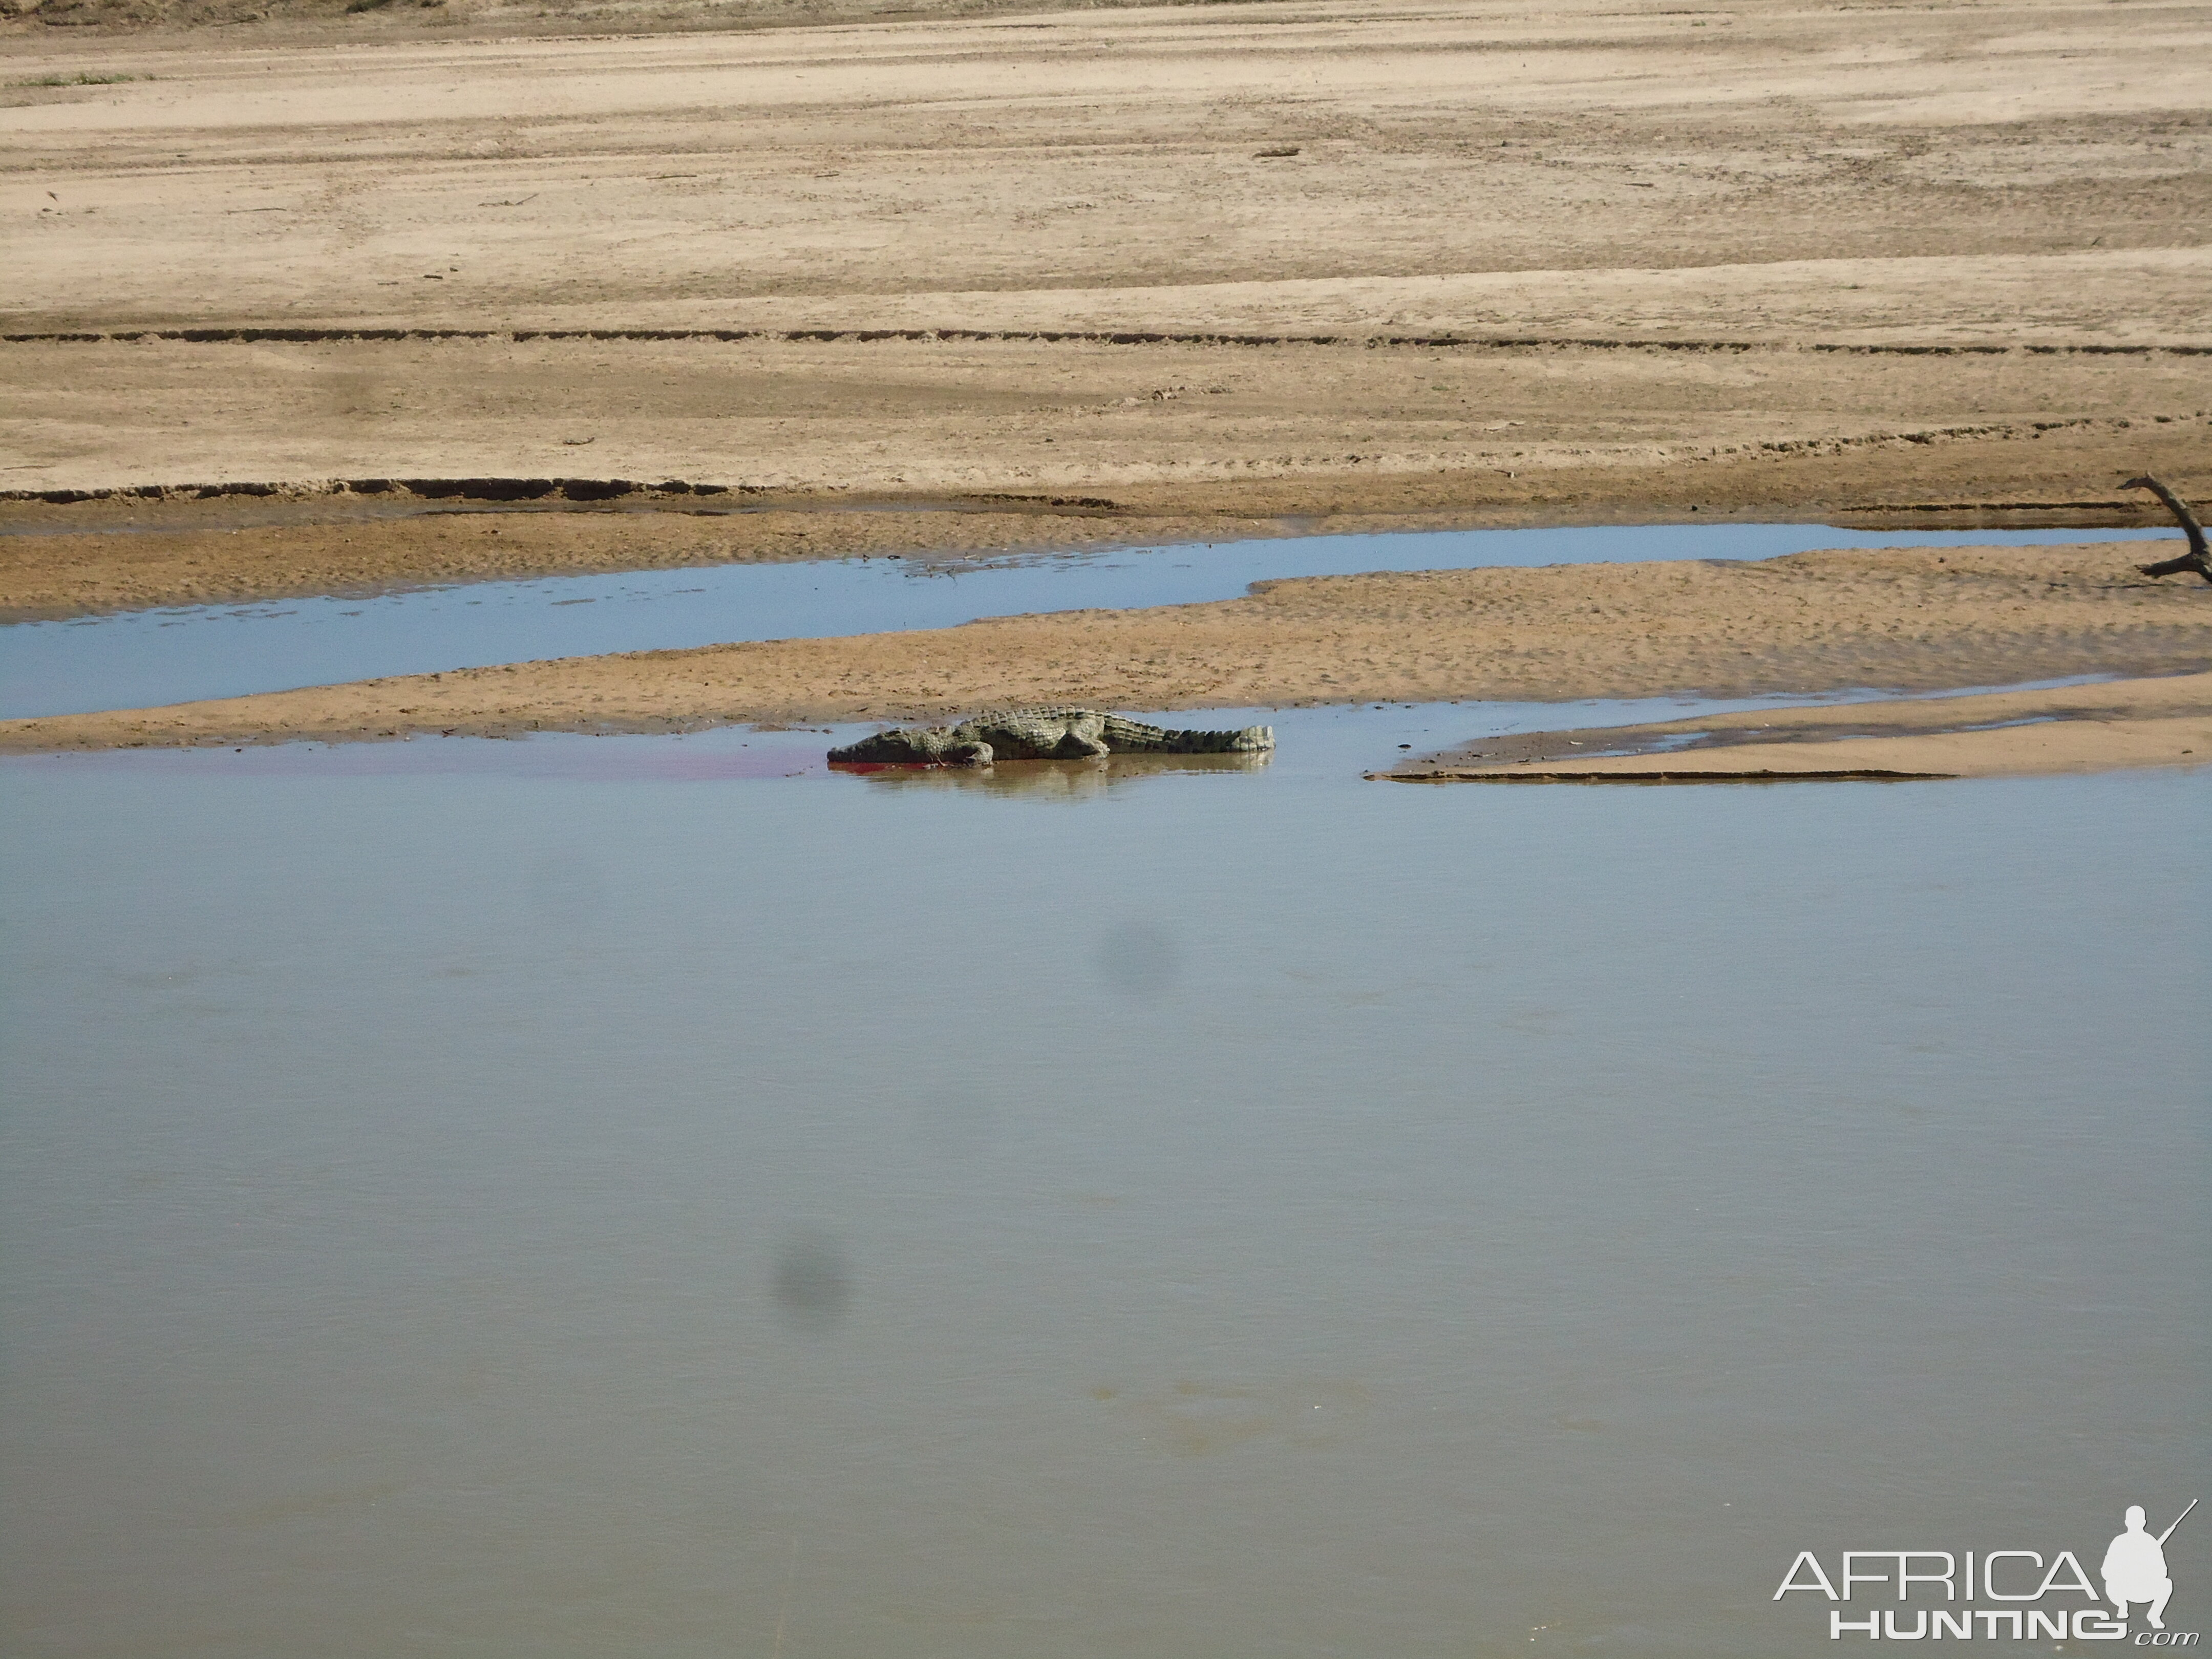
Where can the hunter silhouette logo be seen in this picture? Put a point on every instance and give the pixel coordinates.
(2019, 1581)
(2134, 1566)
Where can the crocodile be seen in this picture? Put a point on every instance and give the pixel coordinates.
(1042, 735)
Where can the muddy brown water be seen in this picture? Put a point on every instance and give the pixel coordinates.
(603, 1196)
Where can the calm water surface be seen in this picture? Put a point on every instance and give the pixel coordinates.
(601, 1196)
(148, 658)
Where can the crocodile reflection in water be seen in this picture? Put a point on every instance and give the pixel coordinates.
(1078, 780)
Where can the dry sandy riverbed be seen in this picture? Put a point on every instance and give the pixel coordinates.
(1635, 260)
(1154, 273)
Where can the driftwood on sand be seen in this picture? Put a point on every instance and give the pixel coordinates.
(2195, 559)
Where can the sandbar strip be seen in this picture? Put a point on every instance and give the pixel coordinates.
(1761, 775)
(1912, 619)
(2163, 722)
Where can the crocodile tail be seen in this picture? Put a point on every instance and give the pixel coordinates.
(1133, 737)
(1246, 740)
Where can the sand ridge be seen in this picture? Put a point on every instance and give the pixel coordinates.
(1220, 430)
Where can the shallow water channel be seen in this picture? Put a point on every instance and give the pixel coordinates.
(590, 1196)
(148, 658)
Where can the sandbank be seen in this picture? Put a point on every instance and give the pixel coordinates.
(1906, 619)
(2166, 721)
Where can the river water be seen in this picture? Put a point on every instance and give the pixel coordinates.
(142, 659)
(592, 1196)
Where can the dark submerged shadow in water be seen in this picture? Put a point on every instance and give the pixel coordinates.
(813, 1279)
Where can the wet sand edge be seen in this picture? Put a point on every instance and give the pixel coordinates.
(104, 558)
(2158, 722)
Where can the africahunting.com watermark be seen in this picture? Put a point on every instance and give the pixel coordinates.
(1875, 1592)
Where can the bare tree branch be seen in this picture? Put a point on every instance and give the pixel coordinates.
(2196, 559)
